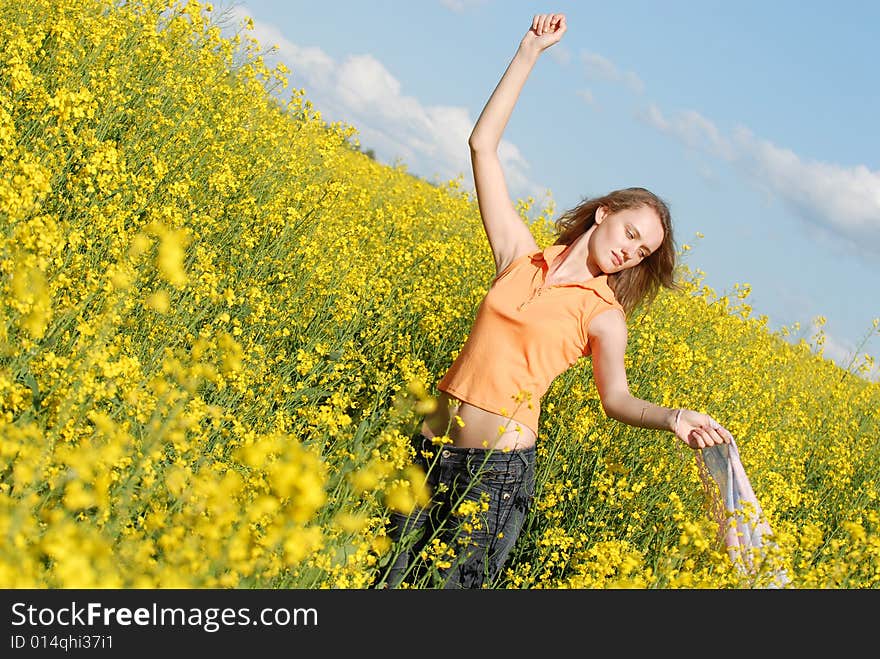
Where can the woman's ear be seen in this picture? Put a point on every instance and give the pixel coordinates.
(601, 212)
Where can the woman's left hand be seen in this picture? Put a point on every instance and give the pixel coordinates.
(699, 430)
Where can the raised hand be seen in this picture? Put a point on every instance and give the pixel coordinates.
(546, 30)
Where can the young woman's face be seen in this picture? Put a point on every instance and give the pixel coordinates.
(623, 239)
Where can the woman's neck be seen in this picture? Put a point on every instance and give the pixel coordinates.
(571, 263)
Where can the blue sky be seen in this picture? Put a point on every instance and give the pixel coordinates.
(755, 121)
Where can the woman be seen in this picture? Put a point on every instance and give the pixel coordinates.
(544, 310)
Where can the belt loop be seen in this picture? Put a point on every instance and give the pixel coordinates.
(522, 457)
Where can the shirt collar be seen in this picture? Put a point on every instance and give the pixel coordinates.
(597, 284)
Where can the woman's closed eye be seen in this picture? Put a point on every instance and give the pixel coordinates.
(631, 236)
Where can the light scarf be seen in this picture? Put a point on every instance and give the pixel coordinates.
(741, 522)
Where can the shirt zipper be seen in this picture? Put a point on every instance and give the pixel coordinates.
(536, 294)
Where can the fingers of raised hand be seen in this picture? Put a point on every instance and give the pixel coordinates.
(548, 23)
(544, 24)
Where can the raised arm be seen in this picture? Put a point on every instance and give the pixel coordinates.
(508, 235)
(608, 336)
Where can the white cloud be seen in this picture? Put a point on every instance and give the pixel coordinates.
(362, 83)
(314, 60)
(842, 200)
(843, 353)
(692, 129)
(431, 140)
(461, 6)
(599, 67)
(837, 351)
(587, 96)
(652, 116)
(560, 53)
(634, 82)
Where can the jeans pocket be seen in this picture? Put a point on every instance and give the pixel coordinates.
(498, 487)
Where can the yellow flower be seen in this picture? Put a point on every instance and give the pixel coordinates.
(158, 301)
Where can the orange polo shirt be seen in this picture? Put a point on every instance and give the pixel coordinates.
(523, 336)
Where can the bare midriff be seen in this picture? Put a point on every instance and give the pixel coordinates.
(479, 428)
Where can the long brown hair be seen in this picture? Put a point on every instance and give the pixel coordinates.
(639, 284)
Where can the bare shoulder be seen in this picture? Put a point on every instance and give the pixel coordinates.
(608, 326)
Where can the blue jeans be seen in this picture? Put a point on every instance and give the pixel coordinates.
(499, 486)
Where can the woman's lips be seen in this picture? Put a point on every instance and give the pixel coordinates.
(615, 259)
